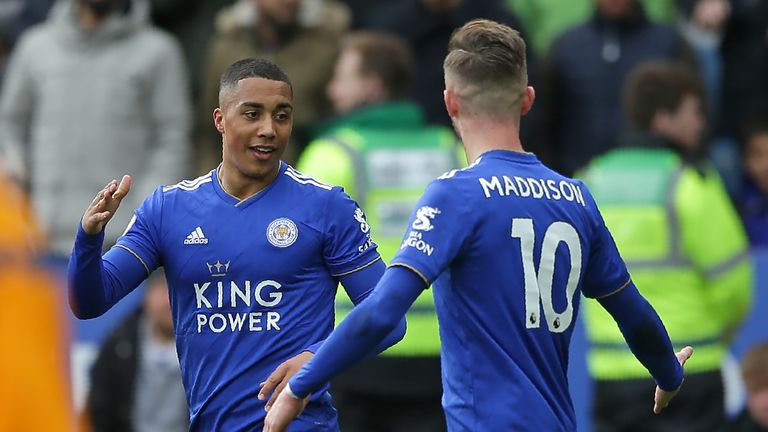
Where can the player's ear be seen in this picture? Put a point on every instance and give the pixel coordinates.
(528, 97)
(218, 119)
(451, 103)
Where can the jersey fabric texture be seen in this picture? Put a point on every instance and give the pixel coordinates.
(505, 337)
(252, 284)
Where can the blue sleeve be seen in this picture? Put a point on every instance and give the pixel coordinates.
(142, 236)
(362, 330)
(605, 271)
(348, 246)
(645, 334)
(359, 286)
(96, 283)
(433, 238)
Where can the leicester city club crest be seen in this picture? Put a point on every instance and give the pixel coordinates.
(282, 232)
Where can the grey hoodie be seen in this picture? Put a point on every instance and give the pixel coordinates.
(78, 109)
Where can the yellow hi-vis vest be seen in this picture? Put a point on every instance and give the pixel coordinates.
(685, 248)
(385, 169)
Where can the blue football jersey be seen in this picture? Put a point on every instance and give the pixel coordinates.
(251, 282)
(509, 245)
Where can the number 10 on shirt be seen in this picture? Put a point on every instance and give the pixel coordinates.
(538, 285)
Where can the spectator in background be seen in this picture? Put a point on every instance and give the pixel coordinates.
(18, 15)
(34, 384)
(743, 86)
(302, 36)
(383, 153)
(192, 22)
(684, 245)
(93, 91)
(754, 197)
(702, 23)
(584, 75)
(545, 20)
(745, 65)
(754, 371)
(15, 17)
(427, 26)
(136, 380)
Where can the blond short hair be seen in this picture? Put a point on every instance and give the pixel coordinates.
(486, 66)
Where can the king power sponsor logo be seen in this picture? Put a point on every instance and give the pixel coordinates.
(227, 305)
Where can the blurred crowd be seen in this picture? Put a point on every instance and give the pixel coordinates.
(93, 89)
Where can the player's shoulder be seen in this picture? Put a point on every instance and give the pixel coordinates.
(308, 187)
(455, 181)
(459, 175)
(196, 186)
(452, 189)
(319, 199)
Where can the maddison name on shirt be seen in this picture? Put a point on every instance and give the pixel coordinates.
(229, 294)
(537, 188)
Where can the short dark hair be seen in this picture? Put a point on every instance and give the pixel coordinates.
(488, 59)
(251, 68)
(386, 56)
(657, 86)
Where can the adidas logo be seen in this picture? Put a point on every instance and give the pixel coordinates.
(196, 237)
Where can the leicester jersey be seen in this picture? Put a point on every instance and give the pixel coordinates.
(252, 283)
(509, 245)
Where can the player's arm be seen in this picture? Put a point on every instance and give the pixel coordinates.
(606, 279)
(359, 285)
(357, 335)
(647, 338)
(96, 283)
(351, 255)
(362, 332)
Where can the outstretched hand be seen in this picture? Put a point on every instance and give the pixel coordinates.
(662, 397)
(104, 205)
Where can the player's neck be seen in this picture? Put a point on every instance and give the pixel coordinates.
(483, 135)
(243, 187)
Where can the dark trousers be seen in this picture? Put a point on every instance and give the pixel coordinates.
(390, 394)
(627, 406)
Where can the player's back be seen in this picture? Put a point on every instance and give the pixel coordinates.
(521, 239)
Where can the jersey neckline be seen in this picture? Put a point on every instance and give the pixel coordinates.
(236, 202)
(513, 155)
